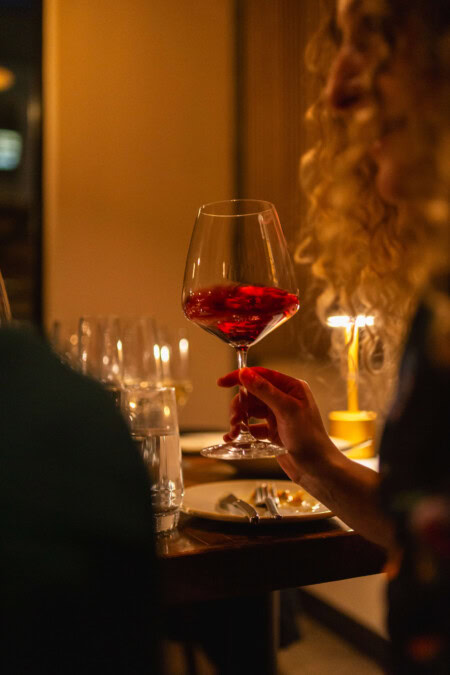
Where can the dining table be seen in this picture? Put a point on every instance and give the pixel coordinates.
(234, 571)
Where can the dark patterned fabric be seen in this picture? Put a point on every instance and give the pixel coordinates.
(415, 490)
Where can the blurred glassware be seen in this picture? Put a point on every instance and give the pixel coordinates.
(151, 414)
(5, 309)
(141, 365)
(64, 340)
(100, 352)
(174, 354)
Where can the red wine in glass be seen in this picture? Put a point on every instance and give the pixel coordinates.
(240, 315)
(239, 285)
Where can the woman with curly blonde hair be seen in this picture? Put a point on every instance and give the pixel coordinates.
(378, 242)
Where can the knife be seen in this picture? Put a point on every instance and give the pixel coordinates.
(272, 506)
(239, 504)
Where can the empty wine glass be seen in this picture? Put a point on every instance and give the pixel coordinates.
(141, 361)
(100, 352)
(64, 340)
(239, 285)
(174, 356)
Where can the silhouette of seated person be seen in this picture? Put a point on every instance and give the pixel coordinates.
(77, 548)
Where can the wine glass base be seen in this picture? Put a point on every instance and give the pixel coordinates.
(244, 450)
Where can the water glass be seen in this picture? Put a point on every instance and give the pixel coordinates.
(151, 413)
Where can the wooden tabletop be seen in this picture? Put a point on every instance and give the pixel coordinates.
(208, 559)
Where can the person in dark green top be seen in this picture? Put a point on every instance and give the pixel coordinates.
(77, 562)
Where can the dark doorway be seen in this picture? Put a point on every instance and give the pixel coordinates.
(21, 155)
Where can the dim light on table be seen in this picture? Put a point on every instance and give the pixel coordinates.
(353, 425)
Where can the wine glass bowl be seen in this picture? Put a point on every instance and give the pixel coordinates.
(239, 285)
(100, 352)
(175, 362)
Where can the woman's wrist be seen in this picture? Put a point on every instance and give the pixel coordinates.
(316, 468)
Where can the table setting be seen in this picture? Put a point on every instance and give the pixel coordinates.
(144, 368)
(238, 502)
(239, 285)
(210, 508)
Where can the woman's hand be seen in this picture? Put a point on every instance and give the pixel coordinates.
(290, 414)
(290, 418)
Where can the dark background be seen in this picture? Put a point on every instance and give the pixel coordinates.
(21, 185)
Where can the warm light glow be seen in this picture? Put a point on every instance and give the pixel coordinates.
(184, 346)
(165, 354)
(156, 352)
(7, 78)
(166, 411)
(343, 321)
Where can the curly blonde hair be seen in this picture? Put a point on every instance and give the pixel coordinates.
(368, 256)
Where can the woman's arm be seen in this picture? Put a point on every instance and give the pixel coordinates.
(292, 419)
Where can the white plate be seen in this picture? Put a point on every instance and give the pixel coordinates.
(193, 443)
(203, 500)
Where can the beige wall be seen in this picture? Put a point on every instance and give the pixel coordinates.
(138, 100)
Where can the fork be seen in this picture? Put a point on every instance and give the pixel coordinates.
(267, 498)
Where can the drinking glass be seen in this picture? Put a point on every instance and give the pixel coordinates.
(239, 285)
(100, 352)
(141, 360)
(174, 355)
(5, 310)
(64, 340)
(151, 414)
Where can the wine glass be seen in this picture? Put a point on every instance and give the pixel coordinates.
(141, 362)
(64, 340)
(174, 351)
(5, 310)
(100, 352)
(239, 285)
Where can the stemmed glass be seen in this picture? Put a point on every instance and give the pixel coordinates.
(141, 361)
(100, 352)
(174, 354)
(5, 310)
(239, 285)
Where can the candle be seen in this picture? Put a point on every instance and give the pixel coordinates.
(353, 425)
(352, 340)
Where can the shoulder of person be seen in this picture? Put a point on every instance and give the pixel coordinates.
(33, 378)
(436, 301)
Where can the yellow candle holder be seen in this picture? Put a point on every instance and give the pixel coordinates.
(353, 425)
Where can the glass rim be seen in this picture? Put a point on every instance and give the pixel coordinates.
(265, 206)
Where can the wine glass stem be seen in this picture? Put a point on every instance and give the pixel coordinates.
(243, 394)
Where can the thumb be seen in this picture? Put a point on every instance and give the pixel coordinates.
(273, 397)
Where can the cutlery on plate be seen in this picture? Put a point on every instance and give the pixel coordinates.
(240, 505)
(265, 496)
